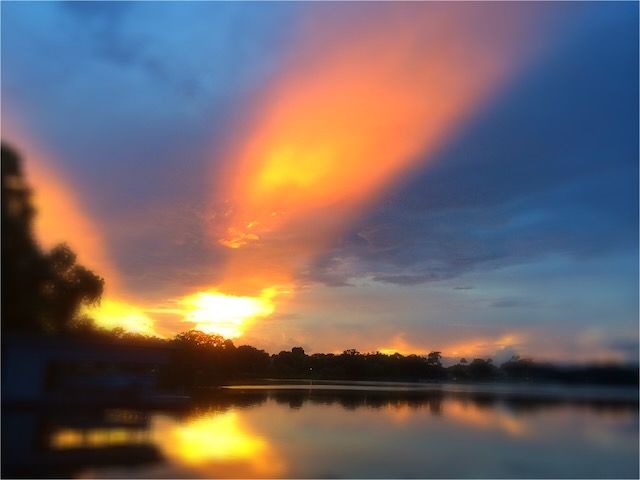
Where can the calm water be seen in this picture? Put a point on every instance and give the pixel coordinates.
(364, 433)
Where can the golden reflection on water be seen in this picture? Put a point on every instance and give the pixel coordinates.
(216, 444)
(400, 414)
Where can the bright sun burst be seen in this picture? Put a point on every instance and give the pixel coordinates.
(226, 315)
(112, 313)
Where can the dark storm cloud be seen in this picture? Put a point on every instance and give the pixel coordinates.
(549, 168)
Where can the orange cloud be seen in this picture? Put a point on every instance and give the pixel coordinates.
(361, 100)
(484, 346)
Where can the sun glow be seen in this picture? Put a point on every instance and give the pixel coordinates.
(227, 315)
(111, 314)
(401, 346)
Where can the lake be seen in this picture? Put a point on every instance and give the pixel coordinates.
(338, 431)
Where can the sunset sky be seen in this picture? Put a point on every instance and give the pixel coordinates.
(399, 177)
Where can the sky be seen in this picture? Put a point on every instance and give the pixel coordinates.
(411, 177)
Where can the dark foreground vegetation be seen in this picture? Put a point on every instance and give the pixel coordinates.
(43, 292)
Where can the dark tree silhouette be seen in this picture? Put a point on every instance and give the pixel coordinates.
(198, 339)
(41, 291)
(482, 369)
(434, 359)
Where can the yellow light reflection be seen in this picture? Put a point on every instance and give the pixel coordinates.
(218, 444)
(70, 438)
(227, 315)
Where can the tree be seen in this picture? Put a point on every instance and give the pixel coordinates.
(482, 369)
(519, 368)
(41, 291)
(199, 339)
(434, 368)
(298, 352)
(250, 361)
(68, 286)
(434, 359)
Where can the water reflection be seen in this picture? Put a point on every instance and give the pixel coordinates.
(72, 438)
(332, 433)
(482, 418)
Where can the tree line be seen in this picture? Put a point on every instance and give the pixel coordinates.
(198, 359)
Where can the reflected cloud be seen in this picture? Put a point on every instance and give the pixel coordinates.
(487, 418)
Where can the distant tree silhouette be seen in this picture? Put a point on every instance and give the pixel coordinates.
(481, 369)
(203, 359)
(251, 362)
(434, 359)
(298, 352)
(198, 339)
(459, 371)
(41, 291)
(520, 369)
